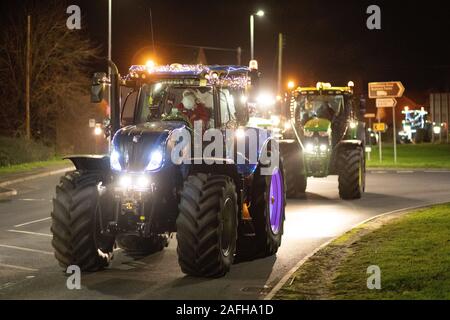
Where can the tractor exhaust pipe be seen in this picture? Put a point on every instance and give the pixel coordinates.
(114, 97)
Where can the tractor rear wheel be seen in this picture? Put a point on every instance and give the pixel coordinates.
(138, 246)
(207, 225)
(296, 180)
(268, 212)
(76, 217)
(352, 173)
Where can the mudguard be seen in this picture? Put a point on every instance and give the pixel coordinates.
(90, 162)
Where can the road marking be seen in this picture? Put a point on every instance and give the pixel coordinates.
(403, 171)
(32, 199)
(31, 233)
(31, 222)
(25, 249)
(289, 274)
(378, 172)
(436, 171)
(18, 267)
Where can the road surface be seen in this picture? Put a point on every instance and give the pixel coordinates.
(28, 269)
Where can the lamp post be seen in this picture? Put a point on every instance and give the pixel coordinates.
(260, 13)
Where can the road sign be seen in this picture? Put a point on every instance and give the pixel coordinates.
(386, 102)
(379, 127)
(369, 115)
(91, 123)
(393, 89)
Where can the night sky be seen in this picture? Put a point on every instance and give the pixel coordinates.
(326, 40)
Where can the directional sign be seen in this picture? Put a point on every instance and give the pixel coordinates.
(393, 89)
(386, 102)
(379, 127)
(369, 115)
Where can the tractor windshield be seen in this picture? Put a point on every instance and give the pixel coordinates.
(321, 106)
(163, 101)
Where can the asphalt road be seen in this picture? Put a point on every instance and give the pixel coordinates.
(28, 269)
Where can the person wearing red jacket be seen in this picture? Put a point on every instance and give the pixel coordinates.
(194, 109)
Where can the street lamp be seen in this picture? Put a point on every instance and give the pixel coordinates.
(291, 85)
(259, 13)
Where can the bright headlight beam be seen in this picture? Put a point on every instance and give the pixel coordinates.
(143, 182)
(156, 159)
(125, 181)
(309, 148)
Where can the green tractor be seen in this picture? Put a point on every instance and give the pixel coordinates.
(320, 135)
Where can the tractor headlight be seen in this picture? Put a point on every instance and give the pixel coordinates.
(114, 160)
(353, 124)
(156, 160)
(309, 148)
(125, 181)
(323, 148)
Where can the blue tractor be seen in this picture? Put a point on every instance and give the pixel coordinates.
(162, 176)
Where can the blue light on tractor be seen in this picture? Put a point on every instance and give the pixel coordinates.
(156, 160)
(115, 161)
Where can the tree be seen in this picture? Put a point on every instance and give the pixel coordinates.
(59, 70)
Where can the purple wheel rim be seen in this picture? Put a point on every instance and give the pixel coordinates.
(276, 201)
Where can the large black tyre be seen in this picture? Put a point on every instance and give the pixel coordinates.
(352, 173)
(266, 241)
(296, 180)
(76, 225)
(207, 225)
(139, 246)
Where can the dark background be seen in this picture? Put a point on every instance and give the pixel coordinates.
(325, 40)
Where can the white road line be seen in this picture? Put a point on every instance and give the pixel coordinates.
(18, 267)
(437, 171)
(31, 222)
(31, 233)
(403, 171)
(25, 249)
(378, 172)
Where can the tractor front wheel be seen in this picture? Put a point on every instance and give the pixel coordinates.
(207, 225)
(76, 223)
(267, 210)
(352, 173)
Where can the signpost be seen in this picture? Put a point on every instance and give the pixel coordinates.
(385, 94)
(393, 89)
(386, 102)
(379, 127)
(370, 116)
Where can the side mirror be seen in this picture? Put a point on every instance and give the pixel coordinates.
(98, 86)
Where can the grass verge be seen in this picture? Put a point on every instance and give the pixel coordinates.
(411, 249)
(425, 155)
(24, 167)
